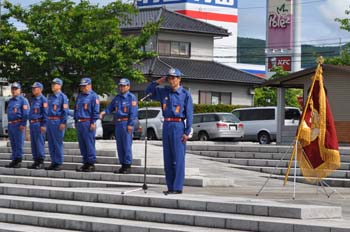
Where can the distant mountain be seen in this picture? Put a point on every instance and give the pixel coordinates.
(252, 51)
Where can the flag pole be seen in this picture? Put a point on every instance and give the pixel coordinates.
(295, 168)
(320, 61)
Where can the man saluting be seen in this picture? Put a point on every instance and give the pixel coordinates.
(176, 103)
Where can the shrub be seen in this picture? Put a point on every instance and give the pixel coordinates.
(70, 135)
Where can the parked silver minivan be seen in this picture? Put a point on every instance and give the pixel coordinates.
(3, 116)
(208, 126)
(260, 123)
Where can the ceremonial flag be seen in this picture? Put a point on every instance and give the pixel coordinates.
(316, 144)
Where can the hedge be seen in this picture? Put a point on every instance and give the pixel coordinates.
(198, 108)
(70, 135)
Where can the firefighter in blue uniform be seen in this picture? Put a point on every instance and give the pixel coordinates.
(124, 106)
(38, 120)
(176, 103)
(56, 124)
(86, 112)
(17, 115)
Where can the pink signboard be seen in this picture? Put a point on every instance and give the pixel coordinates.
(280, 24)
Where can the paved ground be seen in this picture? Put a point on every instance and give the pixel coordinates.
(247, 183)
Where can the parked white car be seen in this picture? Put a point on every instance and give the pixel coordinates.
(155, 121)
(260, 123)
(208, 126)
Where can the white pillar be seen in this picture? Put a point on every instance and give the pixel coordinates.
(296, 58)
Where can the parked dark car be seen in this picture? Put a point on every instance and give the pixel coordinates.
(108, 126)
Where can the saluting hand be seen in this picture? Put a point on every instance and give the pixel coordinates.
(161, 80)
(184, 138)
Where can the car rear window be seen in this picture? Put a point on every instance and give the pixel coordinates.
(255, 114)
(210, 118)
(150, 114)
(108, 118)
(228, 118)
(292, 114)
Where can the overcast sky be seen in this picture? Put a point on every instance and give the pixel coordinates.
(318, 25)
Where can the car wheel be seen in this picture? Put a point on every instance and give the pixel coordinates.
(203, 136)
(264, 138)
(151, 135)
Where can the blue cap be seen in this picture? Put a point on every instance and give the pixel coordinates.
(85, 81)
(174, 72)
(124, 81)
(37, 85)
(57, 81)
(16, 85)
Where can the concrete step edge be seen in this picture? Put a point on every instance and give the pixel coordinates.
(101, 176)
(9, 227)
(76, 159)
(65, 183)
(184, 202)
(89, 223)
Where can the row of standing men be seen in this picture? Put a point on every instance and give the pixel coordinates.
(49, 117)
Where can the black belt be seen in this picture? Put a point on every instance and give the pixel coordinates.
(15, 121)
(84, 119)
(36, 120)
(121, 119)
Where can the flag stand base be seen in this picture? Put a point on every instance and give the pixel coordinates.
(324, 185)
(321, 184)
(277, 165)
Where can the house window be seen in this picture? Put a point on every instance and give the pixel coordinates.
(214, 98)
(174, 48)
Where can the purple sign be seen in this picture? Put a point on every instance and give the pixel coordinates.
(280, 24)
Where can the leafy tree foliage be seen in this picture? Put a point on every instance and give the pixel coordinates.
(344, 58)
(72, 40)
(344, 23)
(267, 96)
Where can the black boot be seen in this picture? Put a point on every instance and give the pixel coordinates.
(14, 164)
(34, 165)
(90, 168)
(82, 168)
(40, 163)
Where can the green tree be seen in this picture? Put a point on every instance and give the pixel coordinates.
(267, 96)
(344, 23)
(68, 40)
(344, 58)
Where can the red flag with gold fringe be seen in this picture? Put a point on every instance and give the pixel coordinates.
(316, 142)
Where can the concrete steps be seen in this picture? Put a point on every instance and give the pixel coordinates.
(111, 211)
(9, 227)
(101, 177)
(271, 160)
(266, 162)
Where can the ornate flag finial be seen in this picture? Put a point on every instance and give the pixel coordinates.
(320, 60)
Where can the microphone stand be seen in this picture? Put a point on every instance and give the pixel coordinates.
(144, 186)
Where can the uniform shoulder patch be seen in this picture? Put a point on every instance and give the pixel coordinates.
(97, 101)
(45, 104)
(133, 103)
(65, 106)
(25, 107)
